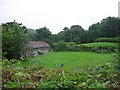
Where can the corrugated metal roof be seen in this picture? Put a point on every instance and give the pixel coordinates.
(35, 44)
(40, 43)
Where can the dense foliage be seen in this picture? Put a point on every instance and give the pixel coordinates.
(75, 34)
(106, 28)
(102, 76)
(32, 34)
(14, 40)
(43, 34)
(109, 27)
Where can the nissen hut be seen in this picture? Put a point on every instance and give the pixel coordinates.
(39, 47)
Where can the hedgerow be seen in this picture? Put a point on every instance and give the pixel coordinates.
(101, 47)
(114, 40)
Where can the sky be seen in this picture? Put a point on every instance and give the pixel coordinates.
(57, 14)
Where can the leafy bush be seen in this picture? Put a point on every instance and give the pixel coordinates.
(14, 40)
(102, 76)
(116, 62)
(114, 40)
(60, 46)
(72, 48)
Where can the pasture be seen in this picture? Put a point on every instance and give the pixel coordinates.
(68, 59)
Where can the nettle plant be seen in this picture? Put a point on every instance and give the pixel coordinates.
(101, 76)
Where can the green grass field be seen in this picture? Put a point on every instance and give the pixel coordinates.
(69, 59)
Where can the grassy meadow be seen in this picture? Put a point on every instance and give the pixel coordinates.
(69, 59)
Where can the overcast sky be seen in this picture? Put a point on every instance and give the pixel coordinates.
(57, 14)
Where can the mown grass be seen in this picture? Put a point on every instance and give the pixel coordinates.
(69, 59)
(97, 44)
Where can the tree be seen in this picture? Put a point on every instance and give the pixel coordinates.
(67, 34)
(61, 36)
(54, 38)
(94, 32)
(43, 34)
(109, 27)
(32, 34)
(14, 40)
(77, 34)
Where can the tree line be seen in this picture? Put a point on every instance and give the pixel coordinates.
(15, 36)
(107, 28)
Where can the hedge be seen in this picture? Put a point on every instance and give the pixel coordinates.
(62, 46)
(114, 40)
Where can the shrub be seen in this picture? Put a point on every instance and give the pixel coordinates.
(84, 48)
(72, 48)
(60, 46)
(102, 76)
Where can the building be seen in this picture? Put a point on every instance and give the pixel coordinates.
(39, 47)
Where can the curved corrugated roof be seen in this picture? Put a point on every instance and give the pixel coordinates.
(40, 43)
